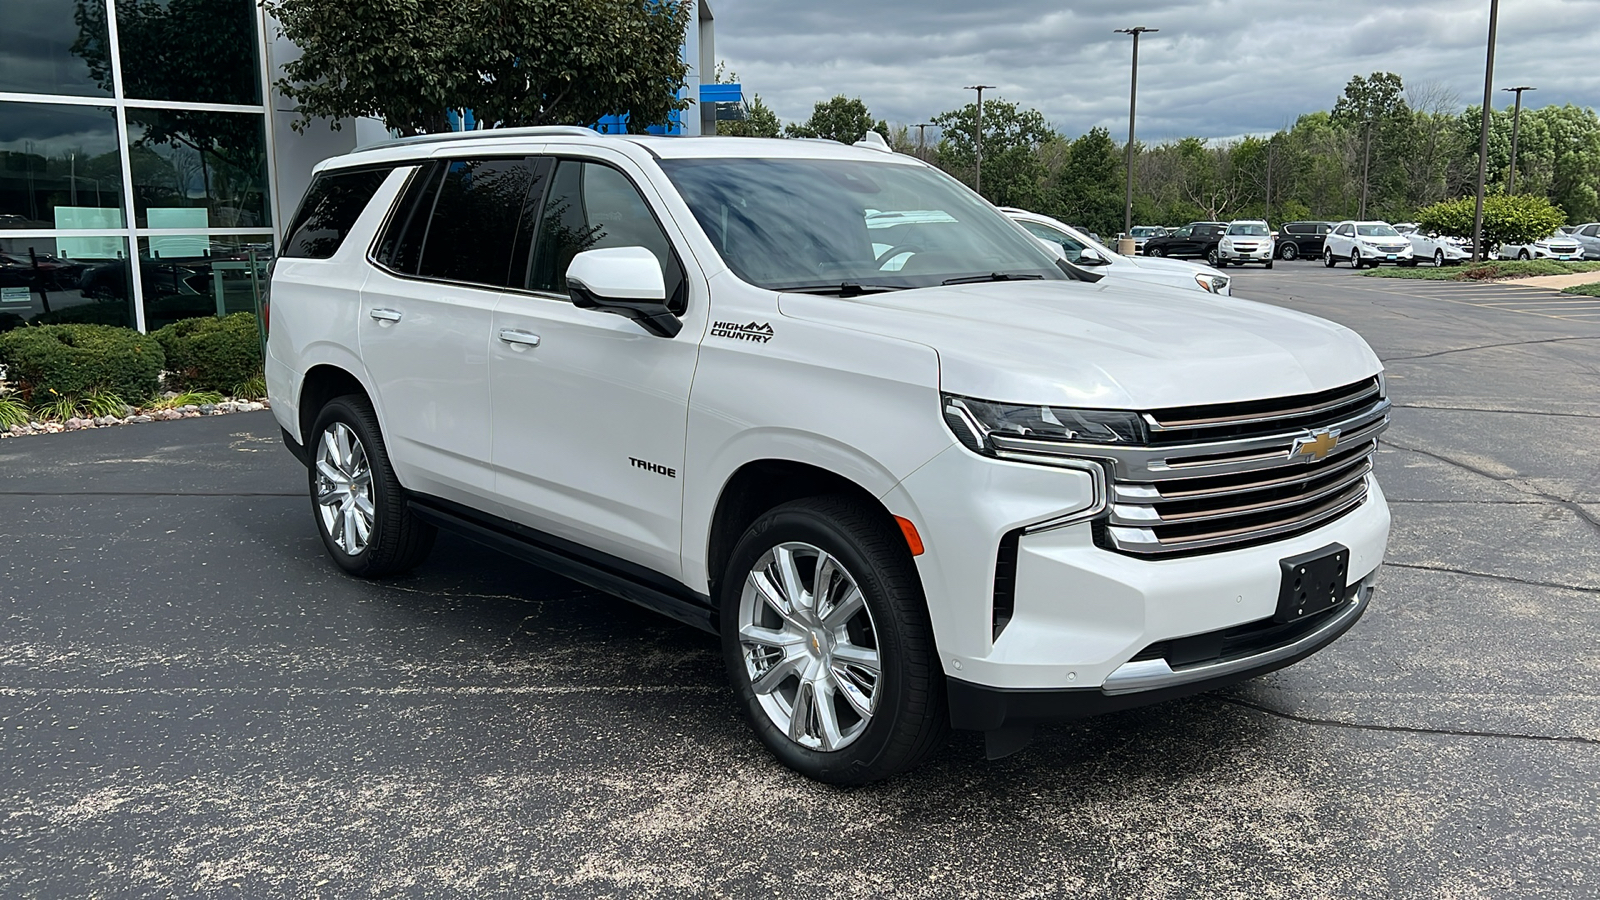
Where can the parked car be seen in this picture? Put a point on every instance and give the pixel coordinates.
(1588, 237)
(1197, 239)
(1079, 249)
(1557, 246)
(1246, 241)
(984, 489)
(1297, 239)
(1142, 233)
(1441, 249)
(1366, 244)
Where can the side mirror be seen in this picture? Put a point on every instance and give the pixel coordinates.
(625, 281)
(1092, 257)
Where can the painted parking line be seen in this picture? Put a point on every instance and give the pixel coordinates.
(1522, 299)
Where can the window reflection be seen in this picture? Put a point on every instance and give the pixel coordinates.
(192, 51)
(59, 167)
(197, 169)
(49, 47)
(191, 275)
(49, 281)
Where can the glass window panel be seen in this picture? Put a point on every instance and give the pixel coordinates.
(54, 47)
(592, 206)
(190, 51)
(331, 206)
(474, 224)
(400, 248)
(59, 167)
(47, 281)
(210, 161)
(185, 276)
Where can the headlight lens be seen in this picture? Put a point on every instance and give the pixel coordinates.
(975, 421)
(1212, 283)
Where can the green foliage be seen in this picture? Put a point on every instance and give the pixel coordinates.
(759, 121)
(1520, 219)
(1015, 144)
(253, 389)
(186, 398)
(843, 119)
(75, 360)
(1090, 189)
(104, 403)
(211, 354)
(13, 412)
(1592, 289)
(513, 62)
(57, 408)
(1486, 271)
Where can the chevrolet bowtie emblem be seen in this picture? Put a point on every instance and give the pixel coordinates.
(1314, 444)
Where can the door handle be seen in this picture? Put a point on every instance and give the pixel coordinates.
(513, 336)
(385, 315)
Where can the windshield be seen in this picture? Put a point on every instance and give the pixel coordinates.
(807, 223)
(1144, 231)
(1377, 230)
(1248, 229)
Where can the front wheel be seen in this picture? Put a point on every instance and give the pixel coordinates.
(1157, 252)
(1327, 258)
(827, 642)
(1523, 254)
(1289, 252)
(1213, 258)
(1355, 258)
(1269, 263)
(358, 503)
(1438, 259)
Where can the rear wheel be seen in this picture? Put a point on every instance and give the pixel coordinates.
(1156, 252)
(358, 504)
(1523, 254)
(1438, 259)
(1289, 252)
(826, 639)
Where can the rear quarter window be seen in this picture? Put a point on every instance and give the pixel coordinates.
(331, 206)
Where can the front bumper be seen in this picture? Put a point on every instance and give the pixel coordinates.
(1258, 254)
(1228, 656)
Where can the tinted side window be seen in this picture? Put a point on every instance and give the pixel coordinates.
(1345, 231)
(333, 203)
(473, 229)
(401, 245)
(590, 206)
(1072, 248)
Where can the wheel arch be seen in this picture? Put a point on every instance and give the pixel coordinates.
(321, 383)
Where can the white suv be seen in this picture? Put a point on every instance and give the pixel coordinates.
(943, 481)
(1366, 244)
(1246, 241)
(1085, 252)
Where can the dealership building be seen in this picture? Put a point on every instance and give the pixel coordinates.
(148, 168)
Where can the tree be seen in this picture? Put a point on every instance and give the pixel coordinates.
(1518, 219)
(512, 62)
(843, 119)
(1373, 104)
(1089, 187)
(1013, 174)
(759, 119)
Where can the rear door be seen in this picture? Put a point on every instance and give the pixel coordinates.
(590, 411)
(441, 267)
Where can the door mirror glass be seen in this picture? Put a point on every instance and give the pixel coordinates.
(625, 281)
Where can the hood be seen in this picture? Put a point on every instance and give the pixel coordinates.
(1069, 343)
(1166, 265)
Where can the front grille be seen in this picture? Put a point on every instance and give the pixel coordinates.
(1222, 477)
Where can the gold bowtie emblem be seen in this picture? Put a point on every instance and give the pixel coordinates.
(1316, 445)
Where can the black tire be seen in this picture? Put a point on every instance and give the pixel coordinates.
(909, 719)
(1213, 257)
(1289, 252)
(1269, 263)
(1327, 258)
(1438, 259)
(1524, 254)
(1355, 258)
(1220, 263)
(399, 541)
(1157, 252)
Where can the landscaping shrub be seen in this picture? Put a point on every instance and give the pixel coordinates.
(78, 360)
(206, 354)
(1517, 219)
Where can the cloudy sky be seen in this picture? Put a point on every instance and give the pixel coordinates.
(1219, 68)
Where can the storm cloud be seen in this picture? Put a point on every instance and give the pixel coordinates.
(1216, 69)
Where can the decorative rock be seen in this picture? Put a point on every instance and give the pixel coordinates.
(140, 419)
(129, 411)
(207, 408)
(168, 395)
(54, 427)
(191, 414)
(252, 406)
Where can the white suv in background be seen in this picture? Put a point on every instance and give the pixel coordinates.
(1085, 252)
(1246, 241)
(914, 475)
(1366, 244)
(1557, 246)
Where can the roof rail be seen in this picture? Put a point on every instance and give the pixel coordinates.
(446, 136)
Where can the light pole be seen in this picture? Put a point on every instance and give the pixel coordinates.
(977, 181)
(1516, 119)
(1483, 135)
(922, 139)
(1133, 105)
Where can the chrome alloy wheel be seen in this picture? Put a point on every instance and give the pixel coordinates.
(809, 646)
(344, 488)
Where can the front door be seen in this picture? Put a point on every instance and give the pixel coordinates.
(589, 409)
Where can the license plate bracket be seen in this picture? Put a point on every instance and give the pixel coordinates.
(1312, 582)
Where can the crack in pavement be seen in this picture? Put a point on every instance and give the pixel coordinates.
(1491, 347)
(1509, 412)
(1495, 577)
(1516, 484)
(1406, 729)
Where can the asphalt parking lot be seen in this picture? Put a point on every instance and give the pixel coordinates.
(194, 702)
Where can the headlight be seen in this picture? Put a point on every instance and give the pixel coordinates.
(1226, 244)
(983, 426)
(1212, 283)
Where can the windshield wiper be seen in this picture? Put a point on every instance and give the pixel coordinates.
(993, 276)
(843, 289)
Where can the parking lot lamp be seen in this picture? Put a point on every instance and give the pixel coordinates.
(977, 181)
(1516, 119)
(922, 140)
(1133, 103)
(1483, 135)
